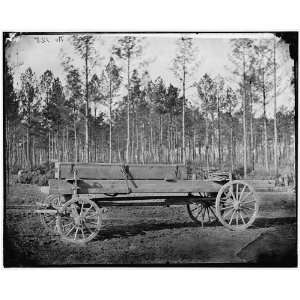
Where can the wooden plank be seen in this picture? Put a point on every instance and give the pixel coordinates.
(90, 171)
(256, 183)
(114, 171)
(152, 172)
(54, 186)
(141, 186)
(45, 190)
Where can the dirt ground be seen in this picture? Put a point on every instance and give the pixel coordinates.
(154, 235)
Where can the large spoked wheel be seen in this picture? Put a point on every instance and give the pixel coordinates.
(203, 211)
(237, 205)
(79, 220)
(49, 220)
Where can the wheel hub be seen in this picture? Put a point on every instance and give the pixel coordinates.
(236, 205)
(78, 220)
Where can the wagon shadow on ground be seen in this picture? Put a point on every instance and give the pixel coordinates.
(118, 231)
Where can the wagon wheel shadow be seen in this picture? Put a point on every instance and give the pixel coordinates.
(119, 231)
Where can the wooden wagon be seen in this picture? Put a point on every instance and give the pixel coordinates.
(80, 191)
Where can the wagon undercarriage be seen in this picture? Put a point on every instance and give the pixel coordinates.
(74, 206)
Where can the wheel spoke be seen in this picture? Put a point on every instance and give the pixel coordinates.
(195, 208)
(242, 217)
(86, 212)
(208, 215)
(91, 216)
(51, 221)
(199, 212)
(88, 228)
(237, 191)
(74, 210)
(70, 230)
(76, 233)
(242, 192)
(227, 213)
(92, 223)
(232, 194)
(226, 207)
(242, 200)
(247, 213)
(66, 225)
(213, 212)
(251, 201)
(224, 199)
(81, 228)
(81, 209)
(246, 207)
(232, 217)
(203, 214)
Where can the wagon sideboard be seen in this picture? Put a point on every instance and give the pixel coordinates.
(96, 178)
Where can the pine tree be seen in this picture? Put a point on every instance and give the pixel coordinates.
(128, 48)
(10, 101)
(242, 50)
(73, 102)
(206, 92)
(111, 81)
(184, 65)
(29, 107)
(45, 87)
(84, 45)
(263, 53)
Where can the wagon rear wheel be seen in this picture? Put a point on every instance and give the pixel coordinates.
(202, 212)
(237, 205)
(49, 220)
(79, 220)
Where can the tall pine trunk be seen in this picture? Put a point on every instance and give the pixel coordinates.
(231, 140)
(251, 128)
(28, 152)
(160, 138)
(110, 122)
(206, 140)
(128, 110)
(87, 105)
(265, 123)
(95, 138)
(183, 116)
(75, 141)
(67, 143)
(275, 117)
(151, 140)
(219, 133)
(244, 118)
(49, 146)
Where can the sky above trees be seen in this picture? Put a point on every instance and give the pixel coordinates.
(45, 52)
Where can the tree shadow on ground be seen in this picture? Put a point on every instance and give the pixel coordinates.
(117, 231)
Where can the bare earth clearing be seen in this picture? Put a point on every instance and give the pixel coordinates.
(154, 235)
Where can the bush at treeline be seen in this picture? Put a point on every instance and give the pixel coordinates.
(38, 175)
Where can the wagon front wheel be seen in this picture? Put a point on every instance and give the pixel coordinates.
(79, 220)
(237, 205)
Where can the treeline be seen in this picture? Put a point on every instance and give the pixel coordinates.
(47, 120)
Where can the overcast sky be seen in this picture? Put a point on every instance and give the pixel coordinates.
(43, 53)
